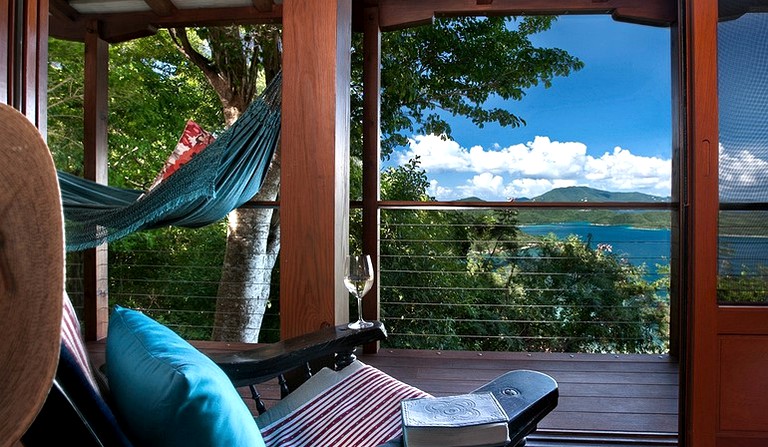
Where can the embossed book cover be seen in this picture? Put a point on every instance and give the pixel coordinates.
(466, 420)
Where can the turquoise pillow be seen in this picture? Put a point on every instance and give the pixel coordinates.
(167, 392)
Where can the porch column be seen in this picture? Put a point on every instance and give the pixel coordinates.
(371, 158)
(95, 269)
(314, 191)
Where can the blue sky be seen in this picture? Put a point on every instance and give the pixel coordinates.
(607, 126)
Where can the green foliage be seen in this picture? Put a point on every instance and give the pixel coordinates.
(585, 300)
(750, 286)
(153, 92)
(638, 219)
(587, 194)
(462, 281)
(65, 104)
(172, 274)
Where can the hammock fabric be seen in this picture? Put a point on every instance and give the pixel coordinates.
(222, 177)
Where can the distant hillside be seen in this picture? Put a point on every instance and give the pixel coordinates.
(586, 194)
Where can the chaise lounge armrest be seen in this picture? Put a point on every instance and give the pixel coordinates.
(268, 361)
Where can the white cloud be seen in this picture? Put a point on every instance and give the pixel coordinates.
(540, 158)
(483, 185)
(439, 192)
(740, 174)
(530, 169)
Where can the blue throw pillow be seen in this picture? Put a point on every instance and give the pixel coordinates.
(167, 392)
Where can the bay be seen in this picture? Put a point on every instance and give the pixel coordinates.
(737, 253)
(638, 246)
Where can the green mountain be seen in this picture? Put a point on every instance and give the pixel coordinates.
(586, 194)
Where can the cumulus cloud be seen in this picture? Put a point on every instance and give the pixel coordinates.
(532, 168)
(741, 172)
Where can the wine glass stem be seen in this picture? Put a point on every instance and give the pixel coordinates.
(359, 308)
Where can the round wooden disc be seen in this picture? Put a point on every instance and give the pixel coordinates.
(31, 273)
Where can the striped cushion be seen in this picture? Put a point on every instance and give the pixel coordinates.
(363, 409)
(72, 339)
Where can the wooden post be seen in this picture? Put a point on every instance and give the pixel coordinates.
(701, 370)
(24, 58)
(95, 268)
(314, 191)
(371, 157)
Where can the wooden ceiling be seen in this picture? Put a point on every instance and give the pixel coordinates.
(121, 20)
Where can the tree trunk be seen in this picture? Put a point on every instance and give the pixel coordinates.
(253, 242)
(253, 235)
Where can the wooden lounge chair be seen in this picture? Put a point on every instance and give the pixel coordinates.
(157, 389)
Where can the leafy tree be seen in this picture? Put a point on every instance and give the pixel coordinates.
(153, 92)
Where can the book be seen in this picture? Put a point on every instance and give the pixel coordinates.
(465, 420)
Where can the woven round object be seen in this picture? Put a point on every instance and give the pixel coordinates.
(31, 273)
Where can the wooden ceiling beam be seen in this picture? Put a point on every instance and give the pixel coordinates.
(62, 9)
(262, 5)
(120, 27)
(397, 14)
(163, 8)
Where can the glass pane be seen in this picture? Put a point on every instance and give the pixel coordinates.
(743, 176)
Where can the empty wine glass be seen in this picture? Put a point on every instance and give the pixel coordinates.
(358, 277)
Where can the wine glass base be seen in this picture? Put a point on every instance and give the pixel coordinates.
(359, 324)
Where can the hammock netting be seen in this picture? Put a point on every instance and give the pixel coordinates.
(225, 175)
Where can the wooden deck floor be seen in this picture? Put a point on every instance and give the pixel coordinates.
(604, 398)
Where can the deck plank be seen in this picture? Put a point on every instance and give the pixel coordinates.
(599, 393)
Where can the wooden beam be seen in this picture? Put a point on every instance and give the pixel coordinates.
(63, 10)
(262, 5)
(95, 281)
(162, 8)
(121, 27)
(314, 190)
(395, 14)
(371, 157)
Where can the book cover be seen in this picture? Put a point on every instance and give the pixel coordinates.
(465, 420)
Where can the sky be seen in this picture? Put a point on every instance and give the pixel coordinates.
(607, 126)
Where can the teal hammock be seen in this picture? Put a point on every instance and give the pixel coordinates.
(225, 175)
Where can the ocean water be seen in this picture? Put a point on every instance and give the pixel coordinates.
(652, 246)
(637, 245)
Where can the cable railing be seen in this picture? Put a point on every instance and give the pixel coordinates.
(449, 279)
(474, 280)
(174, 283)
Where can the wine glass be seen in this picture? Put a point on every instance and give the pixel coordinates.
(358, 277)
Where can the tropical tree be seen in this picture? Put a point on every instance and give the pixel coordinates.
(237, 61)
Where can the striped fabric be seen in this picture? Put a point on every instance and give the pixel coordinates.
(361, 410)
(72, 339)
